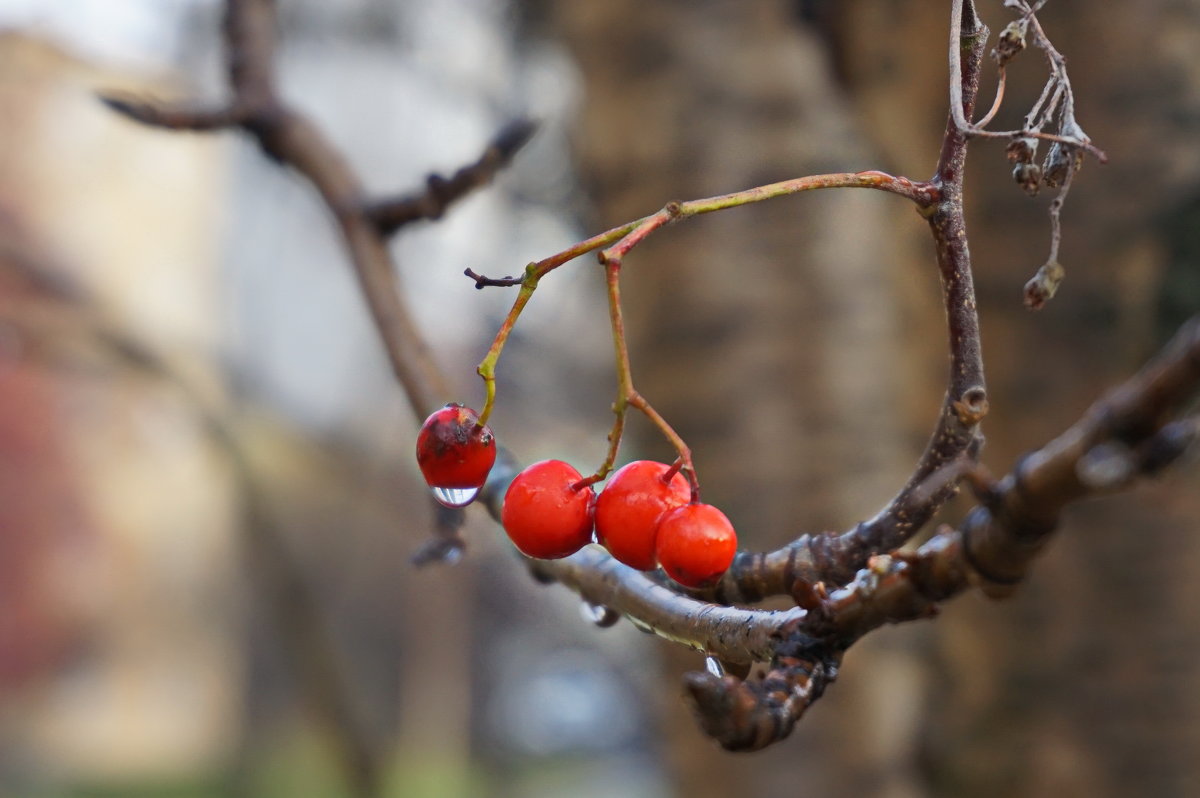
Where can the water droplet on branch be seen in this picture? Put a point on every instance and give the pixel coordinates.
(598, 614)
(714, 666)
(641, 625)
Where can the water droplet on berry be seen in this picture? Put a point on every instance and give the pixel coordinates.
(714, 666)
(455, 497)
(598, 614)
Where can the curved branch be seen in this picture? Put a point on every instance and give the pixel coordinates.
(835, 558)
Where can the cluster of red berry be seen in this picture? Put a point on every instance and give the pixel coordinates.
(644, 516)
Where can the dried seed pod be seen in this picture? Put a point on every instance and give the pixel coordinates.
(1028, 177)
(1021, 149)
(1042, 286)
(1061, 161)
(1012, 41)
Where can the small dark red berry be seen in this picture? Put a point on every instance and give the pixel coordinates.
(454, 450)
(544, 515)
(695, 544)
(629, 507)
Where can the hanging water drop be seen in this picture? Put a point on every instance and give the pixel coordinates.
(598, 614)
(455, 497)
(714, 666)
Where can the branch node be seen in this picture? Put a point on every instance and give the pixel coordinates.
(482, 282)
(973, 406)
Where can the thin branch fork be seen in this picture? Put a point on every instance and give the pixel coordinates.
(290, 138)
(618, 242)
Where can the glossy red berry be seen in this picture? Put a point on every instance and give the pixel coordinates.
(544, 516)
(695, 544)
(455, 452)
(629, 507)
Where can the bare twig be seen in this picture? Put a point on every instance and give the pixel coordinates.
(963, 18)
(487, 282)
(440, 192)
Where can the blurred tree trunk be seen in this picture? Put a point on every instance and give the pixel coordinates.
(1083, 684)
(134, 572)
(797, 348)
(774, 337)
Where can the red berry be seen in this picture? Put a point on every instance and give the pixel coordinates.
(629, 507)
(454, 450)
(544, 516)
(696, 544)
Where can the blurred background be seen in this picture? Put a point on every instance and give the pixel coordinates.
(207, 495)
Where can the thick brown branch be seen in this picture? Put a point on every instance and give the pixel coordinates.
(993, 548)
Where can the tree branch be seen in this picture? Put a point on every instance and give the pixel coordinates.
(835, 558)
(992, 549)
(389, 215)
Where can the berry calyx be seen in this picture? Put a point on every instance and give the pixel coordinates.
(695, 544)
(544, 515)
(455, 452)
(630, 506)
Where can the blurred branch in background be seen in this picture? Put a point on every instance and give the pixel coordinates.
(55, 317)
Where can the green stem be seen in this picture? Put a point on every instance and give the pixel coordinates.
(625, 237)
(612, 275)
(487, 367)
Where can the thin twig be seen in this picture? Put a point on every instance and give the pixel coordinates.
(620, 240)
(390, 215)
